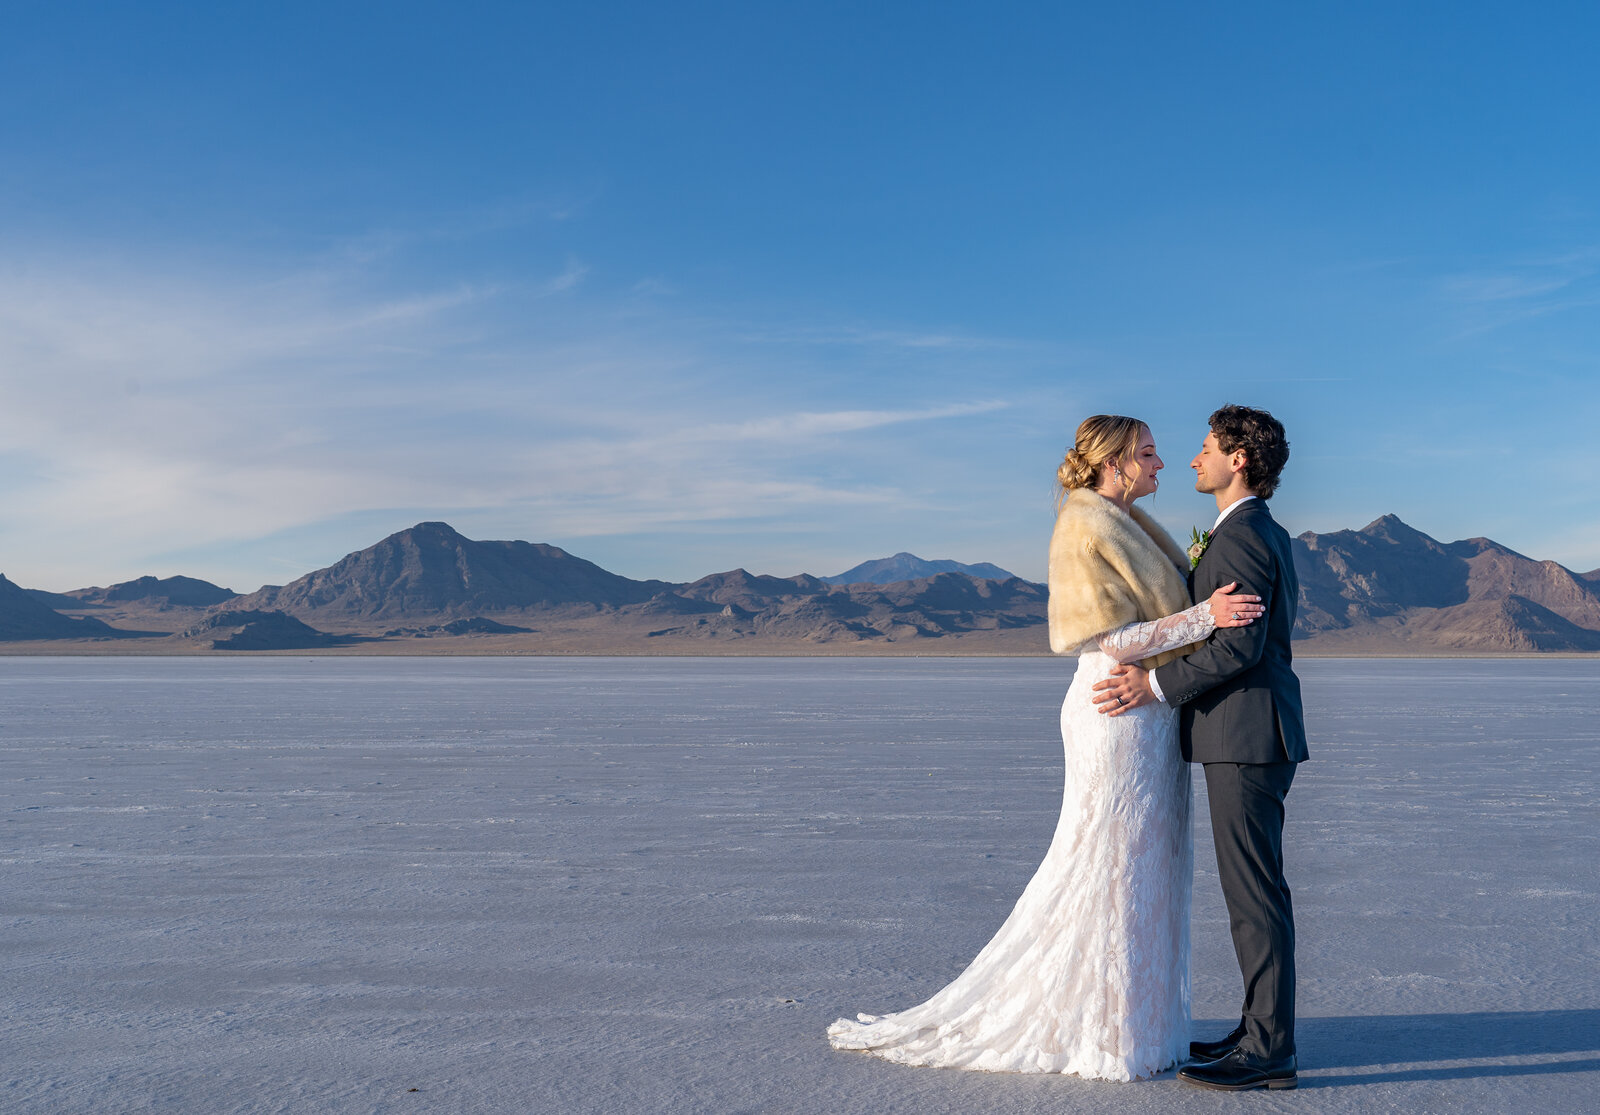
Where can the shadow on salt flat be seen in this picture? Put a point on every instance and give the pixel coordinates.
(1458, 1072)
(1416, 1047)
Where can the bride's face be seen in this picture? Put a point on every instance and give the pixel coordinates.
(1142, 471)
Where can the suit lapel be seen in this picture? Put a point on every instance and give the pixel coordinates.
(1253, 507)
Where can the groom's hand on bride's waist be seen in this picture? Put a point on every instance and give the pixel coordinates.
(1128, 687)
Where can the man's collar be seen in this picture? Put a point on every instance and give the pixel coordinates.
(1231, 508)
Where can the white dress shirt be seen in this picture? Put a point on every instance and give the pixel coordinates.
(1155, 687)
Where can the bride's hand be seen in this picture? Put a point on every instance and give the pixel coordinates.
(1238, 610)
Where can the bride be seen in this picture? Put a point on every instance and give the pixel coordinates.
(1090, 973)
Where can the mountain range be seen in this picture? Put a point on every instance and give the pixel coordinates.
(1386, 588)
(432, 572)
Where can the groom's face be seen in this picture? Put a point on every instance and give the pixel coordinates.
(1214, 469)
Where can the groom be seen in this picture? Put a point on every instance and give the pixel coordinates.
(1240, 716)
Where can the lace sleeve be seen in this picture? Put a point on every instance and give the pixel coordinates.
(1143, 640)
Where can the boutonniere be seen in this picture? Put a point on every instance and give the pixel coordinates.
(1198, 541)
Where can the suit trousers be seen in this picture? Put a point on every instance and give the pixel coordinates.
(1246, 802)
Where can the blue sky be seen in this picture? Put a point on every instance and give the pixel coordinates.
(682, 288)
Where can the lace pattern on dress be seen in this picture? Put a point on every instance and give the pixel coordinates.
(1090, 972)
(1146, 640)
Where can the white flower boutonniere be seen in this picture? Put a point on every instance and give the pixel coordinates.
(1198, 541)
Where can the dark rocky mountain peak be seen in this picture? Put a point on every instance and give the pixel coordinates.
(1391, 528)
(1441, 593)
(1386, 567)
(432, 570)
(909, 567)
(751, 591)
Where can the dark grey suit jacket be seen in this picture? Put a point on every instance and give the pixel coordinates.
(1237, 697)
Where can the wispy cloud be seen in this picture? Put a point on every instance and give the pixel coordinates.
(353, 253)
(806, 425)
(1518, 290)
(569, 279)
(1503, 287)
(855, 336)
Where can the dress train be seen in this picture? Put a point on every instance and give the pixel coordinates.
(1090, 972)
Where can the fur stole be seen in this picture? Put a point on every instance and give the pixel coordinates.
(1109, 569)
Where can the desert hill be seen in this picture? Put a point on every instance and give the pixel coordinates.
(178, 592)
(151, 606)
(1511, 622)
(246, 629)
(909, 567)
(431, 571)
(55, 601)
(739, 604)
(150, 592)
(23, 617)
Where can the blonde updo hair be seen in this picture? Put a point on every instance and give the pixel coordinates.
(1102, 438)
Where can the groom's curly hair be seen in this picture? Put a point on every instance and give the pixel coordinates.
(1261, 436)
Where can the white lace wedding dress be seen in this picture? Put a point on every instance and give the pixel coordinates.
(1090, 973)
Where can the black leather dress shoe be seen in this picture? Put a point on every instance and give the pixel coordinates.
(1211, 1050)
(1240, 1071)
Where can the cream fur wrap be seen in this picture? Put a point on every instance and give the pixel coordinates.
(1108, 569)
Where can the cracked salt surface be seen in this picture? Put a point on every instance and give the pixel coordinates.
(642, 885)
